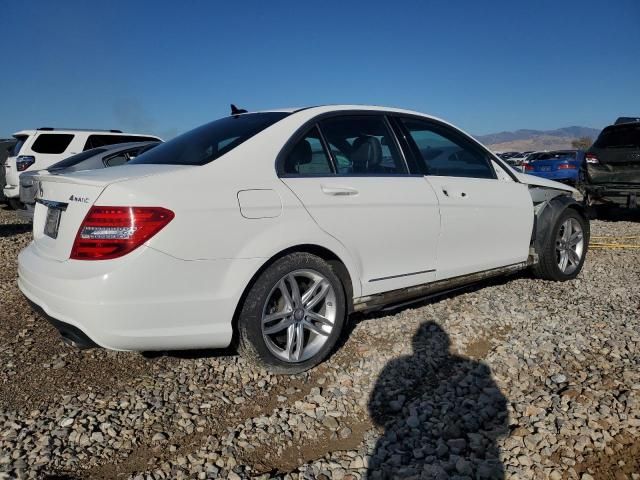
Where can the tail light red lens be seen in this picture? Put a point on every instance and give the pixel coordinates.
(528, 167)
(24, 161)
(566, 166)
(111, 232)
(591, 158)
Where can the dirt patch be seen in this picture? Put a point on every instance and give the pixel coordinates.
(266, 459)
(624, 462)
(480, 347)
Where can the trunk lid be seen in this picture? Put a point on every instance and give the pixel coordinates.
(65, 200)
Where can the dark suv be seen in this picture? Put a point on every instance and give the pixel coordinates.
(612, 165)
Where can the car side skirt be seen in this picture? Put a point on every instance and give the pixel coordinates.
(405, 296)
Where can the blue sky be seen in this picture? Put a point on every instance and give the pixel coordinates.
(165, 67)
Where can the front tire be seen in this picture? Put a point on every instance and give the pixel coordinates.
(563, 252)
(292, 315)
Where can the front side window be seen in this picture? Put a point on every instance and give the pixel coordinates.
(308, 157)
(209, 142)
(362, 145)
(445, 155)
(51, 143)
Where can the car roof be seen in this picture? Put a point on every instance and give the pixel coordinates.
(319, 109)
(76, 130)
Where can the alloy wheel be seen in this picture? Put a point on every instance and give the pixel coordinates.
(569, 246)
(299, 315)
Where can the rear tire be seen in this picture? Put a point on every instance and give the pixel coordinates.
(15, 204)
(292, 315)
(563, 252)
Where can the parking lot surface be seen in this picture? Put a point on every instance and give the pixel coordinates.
(517, 377)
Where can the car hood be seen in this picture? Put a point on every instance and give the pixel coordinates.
(543, 182)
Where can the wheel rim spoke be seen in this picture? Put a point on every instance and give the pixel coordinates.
(282, 285)
(278, 327)
(315, 329)
(566, 230)
(314, 300)
(295, 291)
(299, 341)
(320, 319)
(575, 238)
(291, 341)
(573, 256)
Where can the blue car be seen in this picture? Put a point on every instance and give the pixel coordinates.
(560, 165)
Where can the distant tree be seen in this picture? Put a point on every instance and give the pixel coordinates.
(582, 143)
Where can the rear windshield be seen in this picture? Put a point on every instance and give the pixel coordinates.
(208, 142)
(552, 156)
(75, 159)
(620, 136)
(19, 142)
(102, 140)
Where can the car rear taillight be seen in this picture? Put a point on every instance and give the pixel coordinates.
(111, 232)
(591, 158)
(566, 166)
(528, 167)
(24, 161)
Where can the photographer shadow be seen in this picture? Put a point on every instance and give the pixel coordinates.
(442, 415)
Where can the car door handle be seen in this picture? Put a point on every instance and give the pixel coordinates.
(338, 191)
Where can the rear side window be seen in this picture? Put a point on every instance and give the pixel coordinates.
(308, 157)
(101, 140)
(362, 145)
(620, 136)
(51, 143)
(208, 142)
(445, 154)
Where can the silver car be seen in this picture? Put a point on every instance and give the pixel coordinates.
(101, 157)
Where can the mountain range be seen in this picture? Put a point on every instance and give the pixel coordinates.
(524, 140)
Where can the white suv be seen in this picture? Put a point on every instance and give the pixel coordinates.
(41, 148)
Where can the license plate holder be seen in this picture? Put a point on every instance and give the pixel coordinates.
(52, 222)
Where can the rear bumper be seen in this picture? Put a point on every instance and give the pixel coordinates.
(558, 175)
(68, 332)
(11, 191)
(146, 300)
(628, 196)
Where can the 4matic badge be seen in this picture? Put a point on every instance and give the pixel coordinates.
(74, 198)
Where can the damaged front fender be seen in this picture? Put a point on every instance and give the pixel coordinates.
(547, 211)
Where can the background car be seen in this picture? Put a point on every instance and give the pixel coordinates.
(559, 165)
(103, 157)
(517, 160)
(612, 166)
(41, 148)
(273, 227)
(6, 146)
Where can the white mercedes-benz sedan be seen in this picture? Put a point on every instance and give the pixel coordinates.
(268, 229)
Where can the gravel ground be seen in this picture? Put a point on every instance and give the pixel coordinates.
(514, 378)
